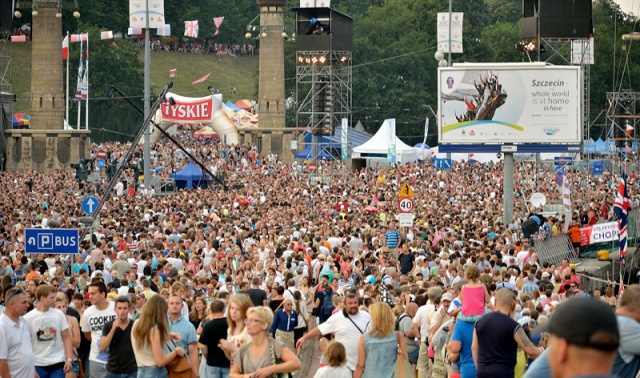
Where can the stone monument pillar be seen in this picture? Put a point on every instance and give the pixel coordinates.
(46, 145)
(47, 83)
(271, 102)
(271, 135)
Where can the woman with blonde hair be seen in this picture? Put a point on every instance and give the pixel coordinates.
(377, 349)
(149, 335)
(237, 335)
(258, 357)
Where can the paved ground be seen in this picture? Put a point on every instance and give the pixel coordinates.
(309, 357)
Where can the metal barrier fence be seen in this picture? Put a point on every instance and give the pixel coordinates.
(555, 249)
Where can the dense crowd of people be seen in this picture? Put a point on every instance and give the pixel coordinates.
(199, 46)
(243, 282)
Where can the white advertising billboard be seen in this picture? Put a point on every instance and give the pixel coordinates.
(509, 103)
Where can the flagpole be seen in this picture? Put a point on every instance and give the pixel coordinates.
(86, 70)
(66, 116)
(79, 89)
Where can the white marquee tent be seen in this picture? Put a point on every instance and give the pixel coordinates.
(375, 150)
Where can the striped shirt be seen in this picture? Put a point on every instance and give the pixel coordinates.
(392, 238)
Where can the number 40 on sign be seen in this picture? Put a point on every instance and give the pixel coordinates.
(406, 205)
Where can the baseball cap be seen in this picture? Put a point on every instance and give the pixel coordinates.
(447, 297)
(546, 275)
(584, 322)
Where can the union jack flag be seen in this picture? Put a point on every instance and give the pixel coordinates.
(620, 209)
(191, 29)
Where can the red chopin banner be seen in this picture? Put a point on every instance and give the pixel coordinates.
(598, 233)
(184, 112)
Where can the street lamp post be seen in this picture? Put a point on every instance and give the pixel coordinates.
(449, 58)
(147, 101)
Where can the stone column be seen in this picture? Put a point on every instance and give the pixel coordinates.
(47, 83)
(271, 101)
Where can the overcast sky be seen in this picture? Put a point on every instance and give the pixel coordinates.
(630, 6)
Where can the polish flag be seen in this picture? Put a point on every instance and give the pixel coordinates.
(65, 48)
(629, 129)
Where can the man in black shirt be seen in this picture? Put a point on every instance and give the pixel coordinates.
(218, 364)
(257, 295)
(116, 339)
(406, 260)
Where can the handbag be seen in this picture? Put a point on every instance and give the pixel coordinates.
(180, 367)
(403, 366)
(275, 361)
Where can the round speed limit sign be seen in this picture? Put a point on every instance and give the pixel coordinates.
(406, 205)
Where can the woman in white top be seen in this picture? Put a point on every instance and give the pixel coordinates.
(149, 335)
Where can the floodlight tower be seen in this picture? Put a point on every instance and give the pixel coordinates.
(324, 40)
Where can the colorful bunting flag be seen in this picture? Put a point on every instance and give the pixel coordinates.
(205, 77)
(218, 21)
(134, 31)
(172, 73)
(79, 37)
(164, 31)
(106, 35)
(65, 48)
(191, 29)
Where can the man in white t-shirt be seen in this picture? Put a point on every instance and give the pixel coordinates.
(420, 326)
(50, 337)
(93, 320)
(16, 356)
(347, 326)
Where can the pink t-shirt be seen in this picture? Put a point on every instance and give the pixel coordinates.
(473, 301)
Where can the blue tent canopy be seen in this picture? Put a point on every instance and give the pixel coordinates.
(419, 145)
(355, 138)
(324, 144)
(190, 176)
(231, 106)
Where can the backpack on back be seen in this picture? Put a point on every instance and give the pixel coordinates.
(400, 319)
(327, 304)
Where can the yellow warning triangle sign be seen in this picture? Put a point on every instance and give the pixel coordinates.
(405, 191)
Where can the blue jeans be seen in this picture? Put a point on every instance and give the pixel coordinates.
(413, 356)
(152, 372)
(122, 375)
(44, 373)
(217, 372)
